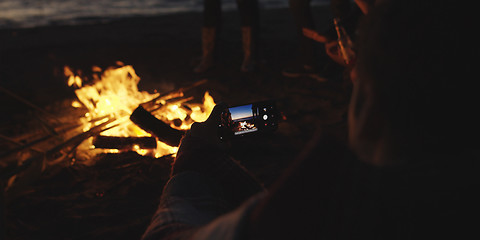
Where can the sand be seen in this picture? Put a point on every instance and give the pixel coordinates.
(163, 51)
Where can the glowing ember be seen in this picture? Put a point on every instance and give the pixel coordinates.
(116, 95)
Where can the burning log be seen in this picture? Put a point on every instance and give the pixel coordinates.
(156, 127)
(110, 142)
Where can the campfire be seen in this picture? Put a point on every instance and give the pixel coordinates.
(110, 115)
(148, 123)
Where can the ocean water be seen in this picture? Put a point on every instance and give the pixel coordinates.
(35, 13)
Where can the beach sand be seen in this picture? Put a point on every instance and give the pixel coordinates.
(163, 51)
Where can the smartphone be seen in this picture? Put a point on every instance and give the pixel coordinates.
(249, 118)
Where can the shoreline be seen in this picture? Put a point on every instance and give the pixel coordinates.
(57, 16)
(162, 49)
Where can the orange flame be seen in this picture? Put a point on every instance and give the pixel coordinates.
(116, 95)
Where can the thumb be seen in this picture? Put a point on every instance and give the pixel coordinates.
(215, 115)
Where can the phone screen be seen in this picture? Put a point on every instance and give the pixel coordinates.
(243, 118)
(250, 118)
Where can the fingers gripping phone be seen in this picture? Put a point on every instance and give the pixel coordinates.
(249, 118)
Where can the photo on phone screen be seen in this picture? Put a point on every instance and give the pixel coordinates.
(243, 119)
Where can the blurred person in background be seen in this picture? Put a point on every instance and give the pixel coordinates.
(212, 23)
(311, 60)
(316, 63)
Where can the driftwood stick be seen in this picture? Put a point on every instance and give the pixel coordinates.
(109, 142)
(179, 90)
(47, 126)
(157, 101)
(27, 145)
(171, 101)
(156, 127)
(12, 141)
(50, 130)
(72, 141)
(44, 138)
(82, 136)
(26, 102)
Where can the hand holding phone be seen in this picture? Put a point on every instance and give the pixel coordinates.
(249, 118)
(201, 149)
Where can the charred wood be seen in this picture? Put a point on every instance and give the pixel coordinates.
(156, 127)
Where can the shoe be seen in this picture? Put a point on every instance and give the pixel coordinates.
(303, 71)
(206, 63)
